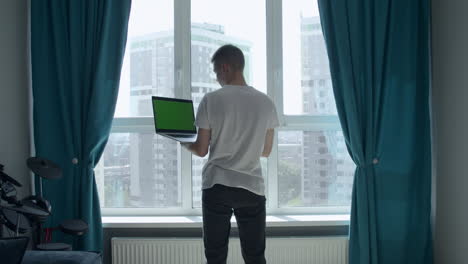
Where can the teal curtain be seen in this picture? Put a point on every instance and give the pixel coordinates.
(379, 63)
(77, 49)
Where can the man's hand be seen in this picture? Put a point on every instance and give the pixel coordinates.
(201, 146)
(268, 143)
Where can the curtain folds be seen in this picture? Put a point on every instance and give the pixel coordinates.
(77, 49)
(379, 62)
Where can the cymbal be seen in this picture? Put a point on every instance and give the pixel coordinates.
(44, 168)
(26, 209)
(54, 247)
(74, 227)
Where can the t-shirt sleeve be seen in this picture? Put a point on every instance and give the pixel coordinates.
(273, 118)
(201, 120)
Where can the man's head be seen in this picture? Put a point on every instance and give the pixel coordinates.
(228, 64)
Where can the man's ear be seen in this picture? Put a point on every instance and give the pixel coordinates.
(225, 67)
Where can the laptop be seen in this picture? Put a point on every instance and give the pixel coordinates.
(174, 118)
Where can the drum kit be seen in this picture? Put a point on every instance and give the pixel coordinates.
(30, 213)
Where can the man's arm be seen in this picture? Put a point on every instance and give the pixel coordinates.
(268, 142)
(200, 147)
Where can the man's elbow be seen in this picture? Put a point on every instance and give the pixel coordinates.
(202, 152)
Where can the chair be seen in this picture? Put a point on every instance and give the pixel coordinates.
(12, 249)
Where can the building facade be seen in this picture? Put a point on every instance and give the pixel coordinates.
(327, 169)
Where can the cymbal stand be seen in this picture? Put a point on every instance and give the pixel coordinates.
(2, 223)
(17, 224)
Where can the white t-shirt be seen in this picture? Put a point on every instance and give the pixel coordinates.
(239, 117)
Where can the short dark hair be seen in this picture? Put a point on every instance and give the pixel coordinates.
(231, 55)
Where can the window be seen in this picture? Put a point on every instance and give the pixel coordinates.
(139, 169)
(168, 52)
(304, 61)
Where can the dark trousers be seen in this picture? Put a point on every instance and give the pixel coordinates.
(218, 204)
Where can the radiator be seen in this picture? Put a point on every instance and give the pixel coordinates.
(284, 250)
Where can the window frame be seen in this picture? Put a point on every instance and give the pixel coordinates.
(182, 89)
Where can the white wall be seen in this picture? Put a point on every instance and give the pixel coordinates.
(14, 124)
(450, 90)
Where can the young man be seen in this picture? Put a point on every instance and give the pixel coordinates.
(236, 123)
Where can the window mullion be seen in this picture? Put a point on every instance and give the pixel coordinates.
(274, 54)
(182, 81)
(182, 49)
(274, 84)
(272, 180)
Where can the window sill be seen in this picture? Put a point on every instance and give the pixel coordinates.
(196, 221)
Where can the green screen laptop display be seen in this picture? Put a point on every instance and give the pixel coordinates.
(173, 115)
